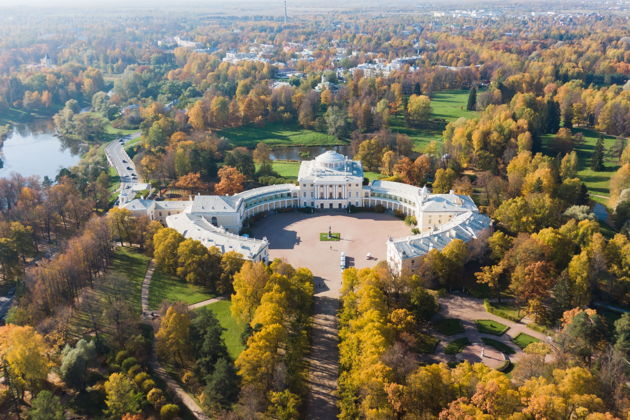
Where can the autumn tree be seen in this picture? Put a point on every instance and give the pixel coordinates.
(121, 396)
(419, 109)
(172, 338)
(230, 181)
(166, 244)
(195, 263)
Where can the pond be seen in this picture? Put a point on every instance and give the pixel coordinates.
(34, 149)
(306, 152)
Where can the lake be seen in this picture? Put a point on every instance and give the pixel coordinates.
(34, 149)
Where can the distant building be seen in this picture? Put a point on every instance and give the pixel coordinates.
(330, 181)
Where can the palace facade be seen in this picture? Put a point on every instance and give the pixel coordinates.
(330, 181)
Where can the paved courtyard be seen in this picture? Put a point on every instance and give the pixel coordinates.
(295, 237)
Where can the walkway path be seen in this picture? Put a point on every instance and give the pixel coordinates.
(323, 360)
(469, 310)
(205, 302)
(179, 393)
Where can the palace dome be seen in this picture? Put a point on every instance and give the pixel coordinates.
(330, 158)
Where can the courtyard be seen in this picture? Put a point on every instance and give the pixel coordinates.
(295, 237)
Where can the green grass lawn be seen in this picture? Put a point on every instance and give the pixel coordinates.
(456, 346)
(278, 134)
(451, 105)
(449, 326)
(129, 266)
(448, 105)
(523, 340)
(598, 182)
(491, 327)
(233, 331)
(334, 236)
(170, 288)
(505, 310)
(502, 347)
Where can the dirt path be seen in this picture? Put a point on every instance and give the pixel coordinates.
(324, 361)
(180, 394)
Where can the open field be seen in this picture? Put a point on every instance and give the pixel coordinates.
(278, 134)
(448, 105)
(233, 331)
(170, 288)
(598, 182)
(129, 267)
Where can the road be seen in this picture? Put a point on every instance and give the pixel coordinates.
(120, 160)
(5, 304)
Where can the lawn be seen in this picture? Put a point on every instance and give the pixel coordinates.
(523, 340)
(233, 331)
(504, 310)
(278, 134)
(502, 347)
(114, 180)
(448, 105)
(491, 327)
(456, 346)
(128, 268)
(449, 326)
(170, 288)
(451, 105)
(334, 236)
(598, 182)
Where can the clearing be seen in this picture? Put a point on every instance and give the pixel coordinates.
(233, 331)
(165, 287)
(597, 182)
(278, 134)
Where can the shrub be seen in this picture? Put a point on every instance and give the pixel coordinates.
(141, 377)
(411, 220)
(400, 215)
(148, 385)
(415, 231)
(379, 209)
(128, 362)
(169, 412)
(156, 397)
(133, 370)
(121, 356)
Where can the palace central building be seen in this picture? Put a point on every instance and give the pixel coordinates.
(331, 181)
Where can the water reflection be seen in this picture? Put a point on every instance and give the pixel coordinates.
(34, 149)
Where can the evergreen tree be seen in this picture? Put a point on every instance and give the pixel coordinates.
(472, 99)
(597, 162)
(552, 116)
(417, 90)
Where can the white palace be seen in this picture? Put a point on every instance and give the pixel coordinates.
(330, 181)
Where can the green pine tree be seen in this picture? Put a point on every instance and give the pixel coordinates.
(597, 162)
(472, 99)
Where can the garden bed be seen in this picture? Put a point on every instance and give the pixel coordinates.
(489, 326)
